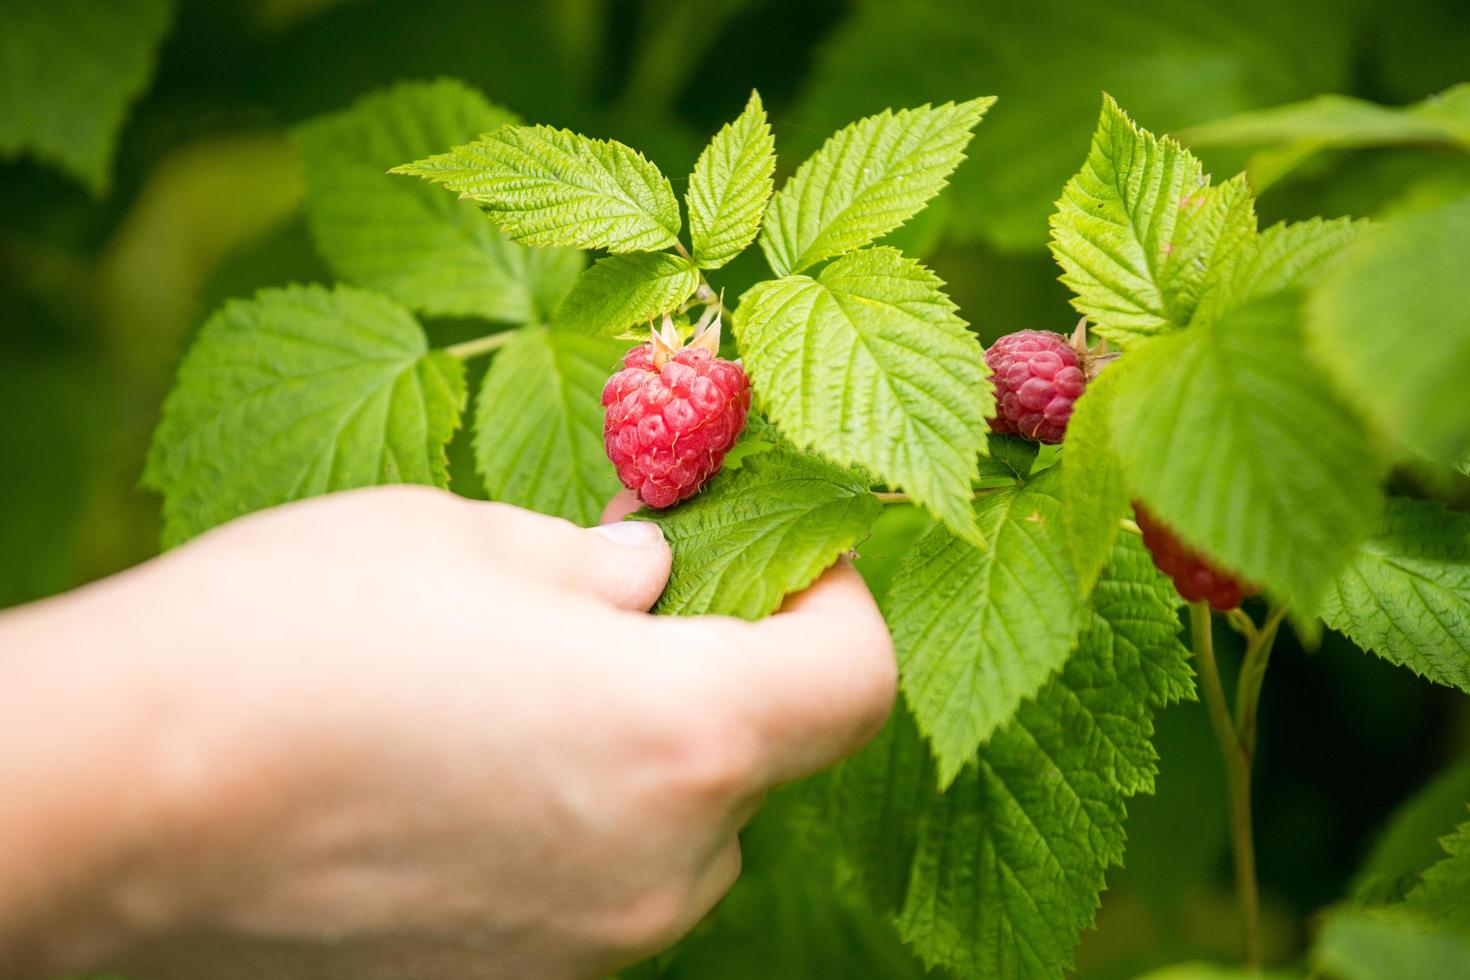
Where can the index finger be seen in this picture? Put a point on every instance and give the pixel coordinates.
(816, 680)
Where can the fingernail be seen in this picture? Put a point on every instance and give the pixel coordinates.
(634, 534)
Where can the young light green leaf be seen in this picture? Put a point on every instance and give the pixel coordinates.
(1238, 442)
(1094, 499)
(1138, 229)
(72, 68)
(999, 875)
(1281, 258)
(430, 252)
(1213, 226)
(870, 365)
(865, 181)
(1392, 322)
(761, 532)
(979, 631)
(538, 424)
(622, 291)
(298, 392)
(1406, 593)
(730, 186)
(548, 186)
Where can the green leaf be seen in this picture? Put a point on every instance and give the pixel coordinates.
(1409, 844)
(979, 631)
(998, 876)
(1442, 896)
(430, 252)
(1406, 593)
(1241, 445)
(1213, 228)
(1212, 971)
(72, 68)
(1361, 945)
(1138, 230)
(761, 532)
(538, 424)
(1094, 499)
(1172, 63)
(1392, 323)
(730, 186)
(866, 180)
(1009, 456)
(548, 186)
(870, 365)
(622, 291)
(1297, 131)
(1279, 259)
(299, 392)
(1344, 121)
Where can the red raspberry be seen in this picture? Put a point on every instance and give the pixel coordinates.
(1037, 376)
(1193, 574)
(672, 414)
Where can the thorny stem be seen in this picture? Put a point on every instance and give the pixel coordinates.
(1237, 756)
(480, 345)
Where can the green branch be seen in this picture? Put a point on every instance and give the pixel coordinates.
(1237, 748)
(480, 345)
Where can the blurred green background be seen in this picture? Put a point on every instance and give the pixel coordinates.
(113, 251)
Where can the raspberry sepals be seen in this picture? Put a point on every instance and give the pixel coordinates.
(1038, 377)
(672, 413)
(1196, 577)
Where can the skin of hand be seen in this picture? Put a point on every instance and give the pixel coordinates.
(397, 733)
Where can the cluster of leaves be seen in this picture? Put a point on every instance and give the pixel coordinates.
(1036, 641)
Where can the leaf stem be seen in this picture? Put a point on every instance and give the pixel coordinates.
(480, 345)
(1238, 777)
(898, 497)
(1252, 674)
(679, 247)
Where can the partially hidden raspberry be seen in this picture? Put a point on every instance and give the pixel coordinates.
(1196, 578)
(1038, 376)
(673, 411)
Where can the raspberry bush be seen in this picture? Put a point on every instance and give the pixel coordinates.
(1251, 412)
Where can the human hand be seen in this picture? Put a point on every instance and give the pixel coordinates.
(398, 733)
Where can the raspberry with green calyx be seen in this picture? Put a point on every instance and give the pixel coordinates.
(672, 413)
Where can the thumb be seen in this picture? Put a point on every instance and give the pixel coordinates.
(625, 563)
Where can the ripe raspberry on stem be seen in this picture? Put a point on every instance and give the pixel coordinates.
(1038, 376)
(1194, 575)
(672, 413)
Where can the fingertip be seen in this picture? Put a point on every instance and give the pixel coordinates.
(625, 503)
(839, 585)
